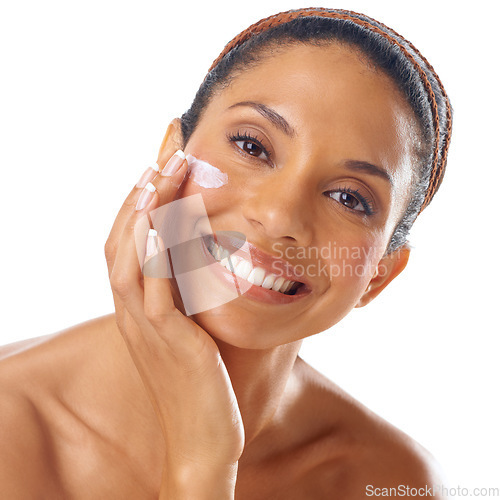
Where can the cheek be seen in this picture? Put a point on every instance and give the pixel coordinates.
(352, 264)
(204, 177)
(214, 199)
(221, 185)
(218, 204)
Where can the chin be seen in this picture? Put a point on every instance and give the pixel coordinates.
(225, 324)
(244, 329)
(237, 327)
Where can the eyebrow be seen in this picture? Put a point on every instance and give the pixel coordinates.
(275, 118)
(369, 168)
(280, 122)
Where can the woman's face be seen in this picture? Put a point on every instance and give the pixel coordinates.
(317, 148)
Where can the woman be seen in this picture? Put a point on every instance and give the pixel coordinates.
(312, 145)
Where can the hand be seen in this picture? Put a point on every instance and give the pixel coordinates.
(179, 363)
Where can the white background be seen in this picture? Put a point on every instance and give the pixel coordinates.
(87, 91)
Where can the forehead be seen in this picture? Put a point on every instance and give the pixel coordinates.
(330, 94)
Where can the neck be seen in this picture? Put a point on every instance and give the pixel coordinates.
(259, 379)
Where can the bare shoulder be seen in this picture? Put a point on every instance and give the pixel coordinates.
(363, 454)
(25, 459)
(26, 468)
(31, 374)
(29, 366)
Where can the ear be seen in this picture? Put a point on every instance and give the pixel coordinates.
(172, 141)
(388, 268)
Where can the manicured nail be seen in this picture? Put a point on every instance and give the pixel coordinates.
(152, 243)
(174, 163)
(156, 263)
(148, 176)
(145, 197)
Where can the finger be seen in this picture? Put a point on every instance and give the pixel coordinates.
(158, 301)
(159, 308)
(126, 210)
(170, 178)
(130, 202)
(154, 202)
(126, 273)
(152, 323)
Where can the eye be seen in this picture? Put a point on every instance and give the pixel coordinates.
(251, 148)
(352, 199)
(250, 145)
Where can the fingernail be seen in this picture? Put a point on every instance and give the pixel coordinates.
(152, 243)
(174, 163)
(145, 197)
(156, 263)
(147, 176)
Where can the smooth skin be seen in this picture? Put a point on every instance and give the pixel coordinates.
(148, 403)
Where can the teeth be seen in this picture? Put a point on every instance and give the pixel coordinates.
(232, 262)
(268, 281)
(216, 252)
(244, 269)
(257, 276)
(285, 286)
(277, 283)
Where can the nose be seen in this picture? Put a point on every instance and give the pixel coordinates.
(278, 207)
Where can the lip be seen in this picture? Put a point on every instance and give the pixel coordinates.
(268, 262)
(254, 292)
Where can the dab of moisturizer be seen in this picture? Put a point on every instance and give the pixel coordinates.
(204, 174)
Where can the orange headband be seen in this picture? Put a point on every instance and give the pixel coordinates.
(438, 164)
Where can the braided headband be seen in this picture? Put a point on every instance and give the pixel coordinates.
(438, 164)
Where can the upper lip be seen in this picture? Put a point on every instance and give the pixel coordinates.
(268, 262)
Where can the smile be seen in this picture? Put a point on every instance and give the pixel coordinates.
(255, 275)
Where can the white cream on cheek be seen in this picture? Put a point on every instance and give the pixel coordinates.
(204, 174)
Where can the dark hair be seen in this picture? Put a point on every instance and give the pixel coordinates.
(385, 49)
